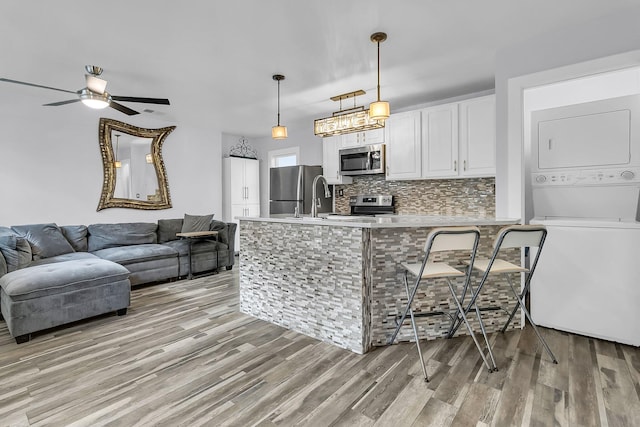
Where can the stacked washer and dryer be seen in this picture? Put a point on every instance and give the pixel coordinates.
(585, 187)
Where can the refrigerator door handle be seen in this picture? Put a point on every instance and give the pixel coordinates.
(299, 190)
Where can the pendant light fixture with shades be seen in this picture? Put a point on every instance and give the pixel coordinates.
(278, 132)
(379, 110)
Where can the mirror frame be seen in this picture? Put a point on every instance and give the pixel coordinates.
(106, 128)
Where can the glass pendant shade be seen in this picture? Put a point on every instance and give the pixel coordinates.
(279, 132)
(379, 110)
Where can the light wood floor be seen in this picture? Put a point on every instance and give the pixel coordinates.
(185, 356)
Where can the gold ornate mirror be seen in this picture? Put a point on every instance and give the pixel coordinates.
(134, 173)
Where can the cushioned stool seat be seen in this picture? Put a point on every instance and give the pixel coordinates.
(48, 295)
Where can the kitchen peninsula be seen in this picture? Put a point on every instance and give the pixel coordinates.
(340, 281)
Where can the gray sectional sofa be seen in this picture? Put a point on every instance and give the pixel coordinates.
(51, 275)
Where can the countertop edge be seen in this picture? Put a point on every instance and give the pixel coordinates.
(401, 221)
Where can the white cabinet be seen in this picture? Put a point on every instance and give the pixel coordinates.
(440, 141)
(331, 161)
(403, 146)
(478, 137)
(240, 190)
(375, 136)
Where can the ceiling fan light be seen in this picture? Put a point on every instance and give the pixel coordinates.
(279, 132)
(97, 101)
(379, 110)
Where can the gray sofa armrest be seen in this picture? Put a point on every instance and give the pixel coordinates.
(231, 232)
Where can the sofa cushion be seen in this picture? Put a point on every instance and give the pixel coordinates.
(8, 248)
(167, 229)
(61, 258)
(103, 236)
(131, 254)
(24, 252)
(76, 235)
(193, 223)
(46, 240)
(61, 277)
(222, 229)
(3, 266)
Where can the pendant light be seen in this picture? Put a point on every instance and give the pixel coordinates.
(117, 163)
(278, 132)
(379, 110)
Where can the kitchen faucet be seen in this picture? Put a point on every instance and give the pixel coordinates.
(314, 196)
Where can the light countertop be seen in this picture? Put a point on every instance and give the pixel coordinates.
(385, 221)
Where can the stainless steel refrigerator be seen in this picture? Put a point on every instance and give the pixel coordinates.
(290, 186)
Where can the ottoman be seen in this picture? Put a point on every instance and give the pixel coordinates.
(43, 296)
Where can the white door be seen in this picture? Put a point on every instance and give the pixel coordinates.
(478, 136)
(236, 180)
(252, 181)
(440, 141)
(403, 146)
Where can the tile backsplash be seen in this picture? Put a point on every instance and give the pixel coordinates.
(462, 197)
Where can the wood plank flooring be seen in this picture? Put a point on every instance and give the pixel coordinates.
(185, 356)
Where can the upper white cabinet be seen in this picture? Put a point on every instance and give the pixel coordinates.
(403, 146)
(455, 140)
(375, 136)
(331, 160)
(440, 141)
(478, 136)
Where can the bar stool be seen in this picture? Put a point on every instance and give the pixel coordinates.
(438, 240)
(513, 236)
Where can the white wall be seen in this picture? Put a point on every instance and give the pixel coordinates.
(51, 168)
(610, 43)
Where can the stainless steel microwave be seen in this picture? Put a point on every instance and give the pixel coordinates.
(364, 160)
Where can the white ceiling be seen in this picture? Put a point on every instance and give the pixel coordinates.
(214, 59)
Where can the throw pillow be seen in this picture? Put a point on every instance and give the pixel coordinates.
(46, 240)
(76, 235)
(196, 223)
(167, 229)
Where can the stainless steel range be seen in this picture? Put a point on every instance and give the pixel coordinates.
(371, 204)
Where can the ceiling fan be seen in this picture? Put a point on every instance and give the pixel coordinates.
(94, 95)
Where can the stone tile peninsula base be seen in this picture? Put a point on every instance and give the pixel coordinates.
(341, 281)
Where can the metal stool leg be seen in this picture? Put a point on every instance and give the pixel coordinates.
(466, 322)
(415, 332)
(535, 328)
(406, 311)
(484, 331)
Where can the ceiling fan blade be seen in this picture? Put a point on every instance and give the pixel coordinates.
(162, 101)
(94, 84)
(123, 109)
(35, 85)
(55, 104)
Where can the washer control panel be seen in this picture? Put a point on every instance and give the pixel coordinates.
(627, 175)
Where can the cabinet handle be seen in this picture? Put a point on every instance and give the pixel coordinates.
(464, 164)
(455, 166)
(387, 170)
(247, 192)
